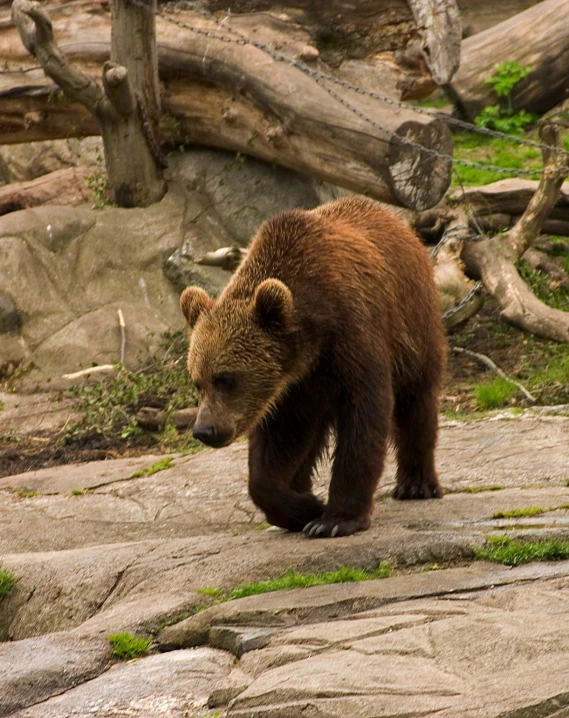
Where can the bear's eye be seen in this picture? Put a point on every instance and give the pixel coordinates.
(224, 382)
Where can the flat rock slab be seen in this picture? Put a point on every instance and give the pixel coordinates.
(491, 642)
(34, 669)
(173, 685)
(131, 552)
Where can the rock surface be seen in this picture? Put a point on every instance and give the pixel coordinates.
(130, 554)
(86, 264)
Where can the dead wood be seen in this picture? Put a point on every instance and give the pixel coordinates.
(440, 27)
(127, 109)
(536, 38)
(237, 97)
(62, 187)
(492, 260)
(544, 263)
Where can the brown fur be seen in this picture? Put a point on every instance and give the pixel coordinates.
(331, 322)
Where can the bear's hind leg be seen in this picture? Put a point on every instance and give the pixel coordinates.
(416, 424)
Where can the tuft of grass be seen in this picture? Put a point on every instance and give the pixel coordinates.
(24, 493)
(517, 513)
(79, 492)
(480, 489)
(503, 549)
(262, 526)
(294, 579)
(1, 404)
(7, 581)
(157, 466)
(209, 591)
(126, 646)
(493, 394)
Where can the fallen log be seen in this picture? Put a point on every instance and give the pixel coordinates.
(536, 38)
(236, 96)
(62, 187)
(507, 197)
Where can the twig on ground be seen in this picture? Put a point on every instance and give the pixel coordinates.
(91, 370)
(123, 335)
(491, 365)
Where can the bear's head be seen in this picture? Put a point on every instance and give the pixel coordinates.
(241, 354)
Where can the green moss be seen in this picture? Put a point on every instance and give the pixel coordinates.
(262, 526)
(160, 465)
(503, 549)
(480, 489)
(7, 581)
(79, 492)
(493, 394)
(517, 513)
(126, 646)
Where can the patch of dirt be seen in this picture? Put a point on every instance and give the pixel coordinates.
(521, 356)
(44, 449)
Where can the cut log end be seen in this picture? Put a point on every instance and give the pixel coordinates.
(420, 179)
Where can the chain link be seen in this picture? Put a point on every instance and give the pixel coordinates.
(320, 78)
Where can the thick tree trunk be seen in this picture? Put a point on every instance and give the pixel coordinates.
(134, 173)
(237, 97)
(537, 38)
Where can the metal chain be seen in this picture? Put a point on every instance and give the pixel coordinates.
(319, 77)
(476, 289)
(375, 95)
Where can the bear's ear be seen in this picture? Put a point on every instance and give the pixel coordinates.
(193, 302)
(273, 305)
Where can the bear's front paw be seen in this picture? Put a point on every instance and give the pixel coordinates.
(334, 527)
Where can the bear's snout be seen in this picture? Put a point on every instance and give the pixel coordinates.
(209, 435)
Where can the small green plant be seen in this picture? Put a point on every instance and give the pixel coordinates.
(518, 513)
(262, 526)
(157, 466)
(494, 394)
(7, 581)
(24, 493)
(480, 489)
(503, 549)
(108, 408)
(79, 492)
(497, 117)
(126, 646)
(1, 404)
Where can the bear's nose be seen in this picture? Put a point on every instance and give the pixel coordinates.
(205, 434)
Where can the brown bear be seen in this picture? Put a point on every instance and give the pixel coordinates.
(331, 323)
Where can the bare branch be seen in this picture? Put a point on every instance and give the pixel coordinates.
(228, 258)
(36, 32)
(491, 365)
(555, 170)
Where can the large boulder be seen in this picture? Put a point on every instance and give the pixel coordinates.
(66, 271)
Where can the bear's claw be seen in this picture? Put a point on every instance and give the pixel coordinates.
(333, 528)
